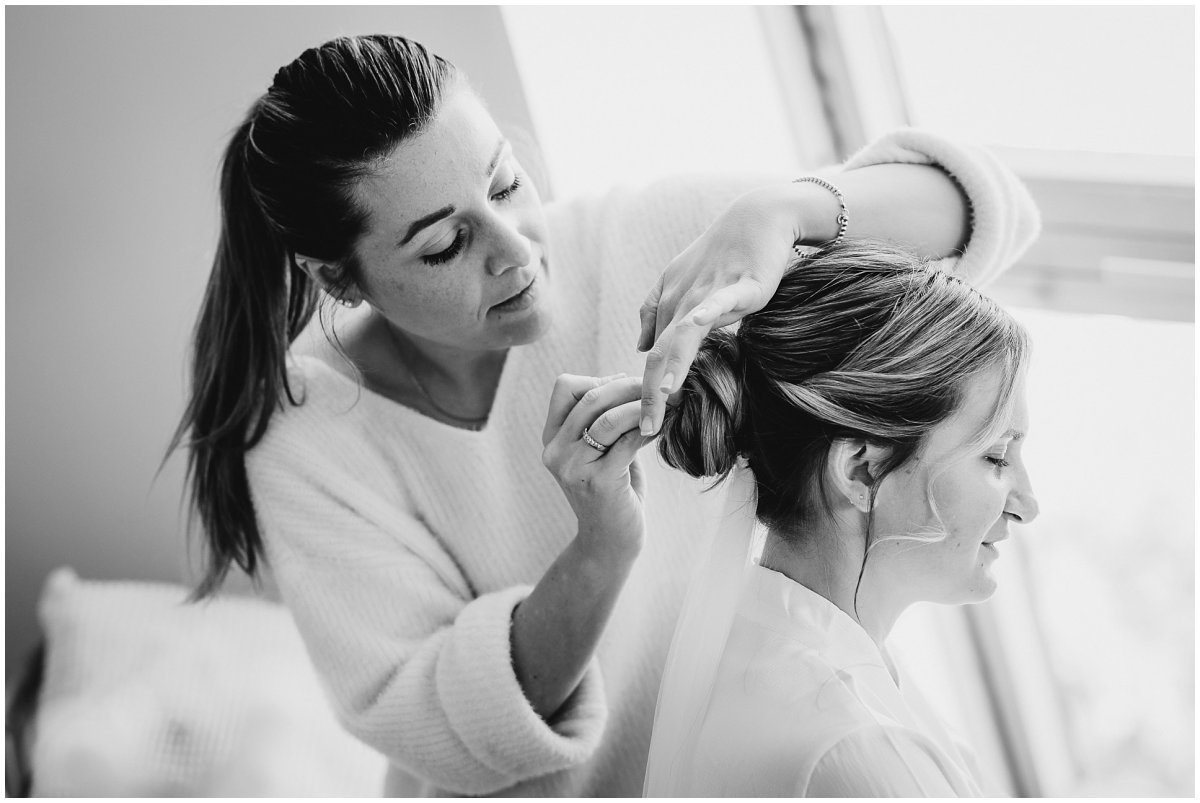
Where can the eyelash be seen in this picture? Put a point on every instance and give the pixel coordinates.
(449, 254)
(505, 193)
(456, 246)
(998, 462)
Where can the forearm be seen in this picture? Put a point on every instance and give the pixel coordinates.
(918, 207)
(556, 628)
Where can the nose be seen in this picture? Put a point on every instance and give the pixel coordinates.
(1022, 504)
(508, 247)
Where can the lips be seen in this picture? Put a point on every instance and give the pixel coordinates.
(526, 286)
(524, 299)
(997, 539)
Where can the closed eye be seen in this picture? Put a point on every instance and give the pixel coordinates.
(507, 192)
(448, 254)
(456, 246)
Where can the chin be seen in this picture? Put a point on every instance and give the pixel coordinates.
(528, 329)
(981, 588)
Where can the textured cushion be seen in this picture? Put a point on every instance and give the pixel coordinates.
(147, 695)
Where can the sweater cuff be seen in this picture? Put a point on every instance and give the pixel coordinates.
(1004, 218)
(488, 710)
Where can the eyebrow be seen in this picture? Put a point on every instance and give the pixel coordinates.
(428, 220)
(448, 210)
(1014, 434)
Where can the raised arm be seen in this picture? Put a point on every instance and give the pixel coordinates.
(941, 199)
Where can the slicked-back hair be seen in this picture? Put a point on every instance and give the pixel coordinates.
(286, 188)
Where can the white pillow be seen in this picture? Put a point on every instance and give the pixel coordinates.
(147, 695)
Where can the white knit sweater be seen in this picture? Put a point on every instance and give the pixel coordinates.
(401, 544)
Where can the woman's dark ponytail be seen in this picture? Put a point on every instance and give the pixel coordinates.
(287, 183)
(255, 304)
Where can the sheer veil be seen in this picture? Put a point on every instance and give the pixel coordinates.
(700, 637)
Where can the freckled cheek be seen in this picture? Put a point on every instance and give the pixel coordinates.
(440, 300)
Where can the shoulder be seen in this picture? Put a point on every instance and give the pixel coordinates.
(317, 396)
(323, 423)
(882, 761)
(770, 674)
(327, 478)
(791, 724)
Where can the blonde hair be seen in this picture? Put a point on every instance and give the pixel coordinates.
(861, 340)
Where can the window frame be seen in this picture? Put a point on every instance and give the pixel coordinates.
(1118, 230)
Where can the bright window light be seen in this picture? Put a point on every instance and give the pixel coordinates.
(1103, 580)
(1113, 79)
(630, 94)
(1111, 558)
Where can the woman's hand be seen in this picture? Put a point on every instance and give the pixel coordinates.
(731, 270)
(734, 268)
(604, 489)
(556, 628)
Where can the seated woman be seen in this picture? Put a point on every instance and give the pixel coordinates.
(875, 411)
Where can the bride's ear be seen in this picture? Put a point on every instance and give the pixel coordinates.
(852, 469)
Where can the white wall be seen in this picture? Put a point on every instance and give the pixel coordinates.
(116, 120)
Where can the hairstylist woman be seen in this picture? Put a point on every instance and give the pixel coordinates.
(487, 625)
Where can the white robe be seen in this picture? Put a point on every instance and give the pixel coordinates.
(804, 705)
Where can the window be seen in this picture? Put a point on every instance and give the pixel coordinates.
(1100, 126)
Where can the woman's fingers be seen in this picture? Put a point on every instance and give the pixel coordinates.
(649, 315)
(591, 409)
(671, 357)
(615, 422)
(626, 446)
(669, 307)
(669, 360)
(610, 415)
(568, 390)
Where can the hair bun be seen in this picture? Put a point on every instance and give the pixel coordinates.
(700, 434)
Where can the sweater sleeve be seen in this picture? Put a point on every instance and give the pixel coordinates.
(879, 761)
(1004, 218)
(417, 666)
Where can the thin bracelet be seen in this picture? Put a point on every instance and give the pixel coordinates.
(843, 218)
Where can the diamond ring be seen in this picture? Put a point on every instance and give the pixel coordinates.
(592, 442)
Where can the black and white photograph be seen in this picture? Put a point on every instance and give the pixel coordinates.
(600, 401)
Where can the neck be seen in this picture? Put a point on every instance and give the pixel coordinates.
(829, 560)
(451, 384)
(462, 372)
